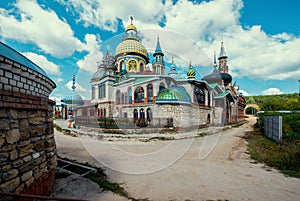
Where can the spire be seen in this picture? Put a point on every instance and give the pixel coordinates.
(222, 51)
(73, 85)
(158, 48)
(215, 62)
(131, 19)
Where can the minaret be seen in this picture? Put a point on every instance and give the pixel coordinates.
(173, 72)
(223, 68)
(73, 85)
(158, 63)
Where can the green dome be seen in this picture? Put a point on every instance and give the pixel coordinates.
(173, 95)
(191, 73)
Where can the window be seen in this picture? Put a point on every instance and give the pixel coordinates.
(158, 70)
(92, 112)
(149, 114)
(123, 98)
(104, 112)
(199, 96)
(84, 112)
(118, 97)
(101, 93)
(121, 66)
(130, 95)
(135, 114)
(142, 113)
(141, 67)
(139, 95)
(93, 92)
(150, 92)
(132, 65)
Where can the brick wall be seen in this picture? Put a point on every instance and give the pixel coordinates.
(27, 145)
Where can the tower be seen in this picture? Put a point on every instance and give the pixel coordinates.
(173, 72)
(158, 63)
(223, 68)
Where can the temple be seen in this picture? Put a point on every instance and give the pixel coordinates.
(132, 92)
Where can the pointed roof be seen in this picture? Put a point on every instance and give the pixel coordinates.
(222, 52)
(158, 49)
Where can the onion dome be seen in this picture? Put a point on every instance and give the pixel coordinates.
(74, 99)
(191, 72)
(226, 78)
(132, 47)
(131, 44)
(173, 95)
(131, 27)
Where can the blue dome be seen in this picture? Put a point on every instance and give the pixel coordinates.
(173, 95)
(74, 99)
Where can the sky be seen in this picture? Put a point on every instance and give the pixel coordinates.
(66, 37)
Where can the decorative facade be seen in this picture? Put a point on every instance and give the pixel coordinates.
(127, 88)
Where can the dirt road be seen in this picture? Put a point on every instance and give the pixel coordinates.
(213, 167)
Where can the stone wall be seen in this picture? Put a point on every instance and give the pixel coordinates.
(27, 145)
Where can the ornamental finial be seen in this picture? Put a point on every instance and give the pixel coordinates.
(131, 19)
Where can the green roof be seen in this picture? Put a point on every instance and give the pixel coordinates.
(173, 95)
(221, 95)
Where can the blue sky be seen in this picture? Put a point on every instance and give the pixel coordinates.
(261, 37)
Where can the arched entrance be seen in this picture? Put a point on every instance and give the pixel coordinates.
(251, 109)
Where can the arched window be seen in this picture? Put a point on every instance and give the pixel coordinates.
(118, 97)
(132, 65)
(199, 96)
(123, 98)
(161, 87)
(149, 114)
(150, 92)
(93, 93)
(142, 114)
(104, 112)
(121, 66)
(130, 95)
(141, 67)
(139, 95)
(158, 69)
(135, 114)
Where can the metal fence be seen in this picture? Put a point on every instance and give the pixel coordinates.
(115, 123)
(273, 127)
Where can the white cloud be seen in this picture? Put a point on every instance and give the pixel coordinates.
(79, 88)
(89, 62)
(50, 67)
(39, 26)
(272, 91)
(105, 13)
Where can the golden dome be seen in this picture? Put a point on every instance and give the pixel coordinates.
(131, 46)
(131, 27)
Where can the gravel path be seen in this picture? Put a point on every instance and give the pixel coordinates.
(213, 167)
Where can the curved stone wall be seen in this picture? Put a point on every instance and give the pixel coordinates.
(27, 145)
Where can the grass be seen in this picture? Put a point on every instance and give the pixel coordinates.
(284, 156)
(57, 127)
